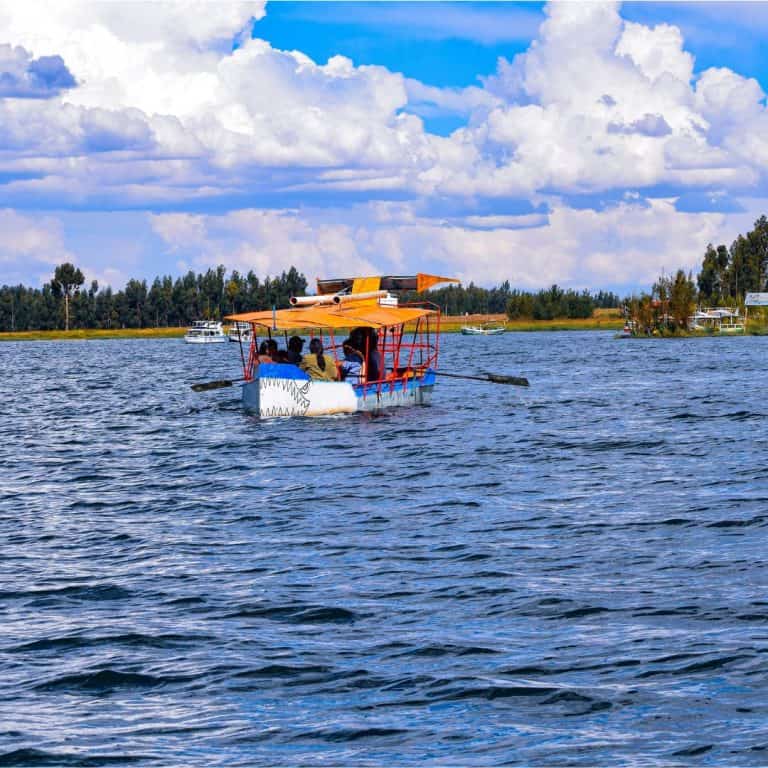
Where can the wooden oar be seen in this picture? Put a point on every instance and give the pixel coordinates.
(206, 385)
(496, 378)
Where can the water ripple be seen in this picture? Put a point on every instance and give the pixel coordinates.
(572, 574)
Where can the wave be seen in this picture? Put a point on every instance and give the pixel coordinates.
(133, 639)
(353, 734)
(90, 592)
(31, 758)
(106, 680)
(298, 614)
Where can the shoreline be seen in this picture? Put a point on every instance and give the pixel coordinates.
(91, 334)
(518, 326)
(448, 325)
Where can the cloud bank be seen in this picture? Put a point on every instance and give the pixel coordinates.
(596, 157)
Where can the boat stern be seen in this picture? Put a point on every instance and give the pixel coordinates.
(285, 390)
(251, 397)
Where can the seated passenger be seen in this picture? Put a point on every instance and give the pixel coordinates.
(264, 353)
(352, 369)
(366, 341)
(372, 363)
(295, 344)
(319, 366)
(357, 339)
(278, 355)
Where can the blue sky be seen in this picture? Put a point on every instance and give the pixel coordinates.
(588, 144)
(449, 45)
(440, 43)
(453, 45)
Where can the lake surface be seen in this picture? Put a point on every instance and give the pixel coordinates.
(573, 574)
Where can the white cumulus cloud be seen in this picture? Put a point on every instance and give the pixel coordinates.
(627, 244)
(598, 104)
(30, 245)
(165, 105)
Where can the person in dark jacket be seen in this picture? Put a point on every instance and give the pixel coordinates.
(295, 345)
(366, 342)
(372, 362)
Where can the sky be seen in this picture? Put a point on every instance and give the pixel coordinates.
(588, 144)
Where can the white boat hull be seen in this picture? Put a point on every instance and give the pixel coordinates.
(205, 339)
(283, 392)
(205, 332)
(468, 331)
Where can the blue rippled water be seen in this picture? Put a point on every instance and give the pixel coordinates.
(573, 574)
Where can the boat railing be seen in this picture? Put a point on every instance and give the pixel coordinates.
(402, 354)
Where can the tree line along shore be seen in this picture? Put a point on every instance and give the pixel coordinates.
(166, 306)
(67, 304)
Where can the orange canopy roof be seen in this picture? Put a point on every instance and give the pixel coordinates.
(379, 316)
(366, 313)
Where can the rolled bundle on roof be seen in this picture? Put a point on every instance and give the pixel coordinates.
(306, 301)
(343, 299)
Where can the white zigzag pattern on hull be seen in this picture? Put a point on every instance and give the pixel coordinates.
(298, 394)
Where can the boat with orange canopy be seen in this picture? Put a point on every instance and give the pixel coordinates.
(398, 345)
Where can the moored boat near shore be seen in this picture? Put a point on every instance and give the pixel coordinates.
(628, 331)
(205, 332)
(239, 332)
(485, 329)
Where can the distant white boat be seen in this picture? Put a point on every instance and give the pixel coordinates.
(485, 329)
(240, 332)
(205, 332)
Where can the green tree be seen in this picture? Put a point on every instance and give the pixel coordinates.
(233, 290)
(66, 279)
(84, 307)
(709, 278)
(135, 301)
(682, 299)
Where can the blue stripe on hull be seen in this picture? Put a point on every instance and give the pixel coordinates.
(370, 397)
(395, 394)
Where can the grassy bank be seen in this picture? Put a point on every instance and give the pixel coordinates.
(601, 321)
(94, 333)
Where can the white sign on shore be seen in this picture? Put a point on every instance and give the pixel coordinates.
(756, 300)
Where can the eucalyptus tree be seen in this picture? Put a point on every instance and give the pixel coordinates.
(67, 280)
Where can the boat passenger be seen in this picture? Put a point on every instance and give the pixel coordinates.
(278, 355)
(264, 351)
(353, 368)
(366, 341)
(295, 344)
(357, 339)
(372, 363)
(319, 366)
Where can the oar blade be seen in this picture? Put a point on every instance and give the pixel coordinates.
(517, 381)
(207, 385)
